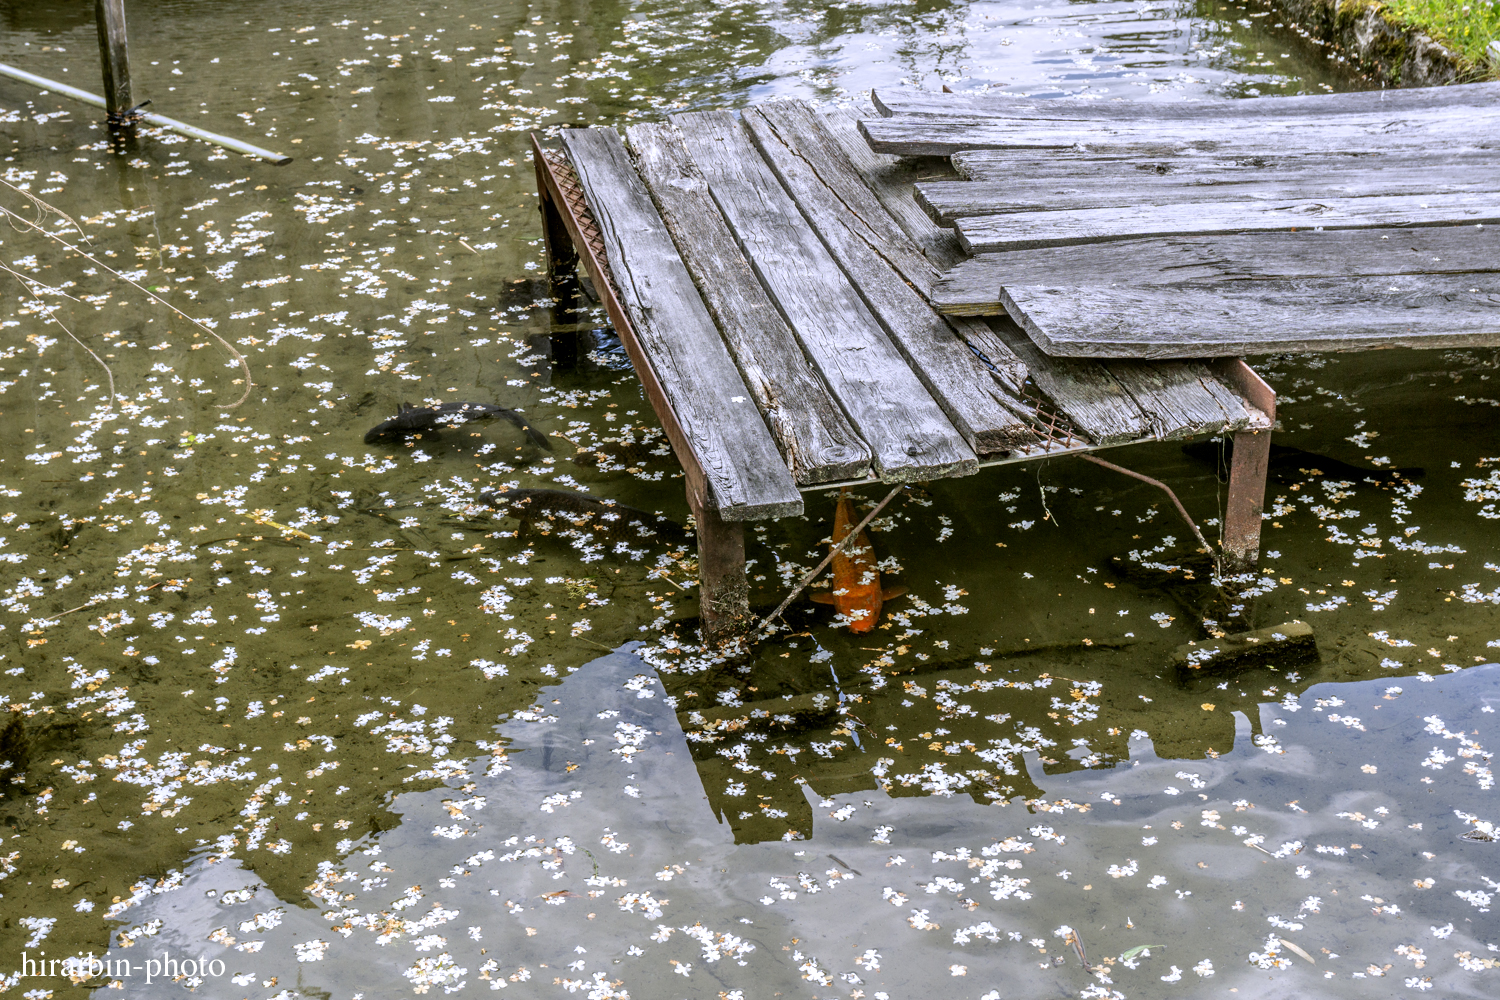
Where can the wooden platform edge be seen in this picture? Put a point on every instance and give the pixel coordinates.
(700, 495)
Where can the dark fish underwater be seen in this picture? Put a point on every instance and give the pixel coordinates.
(429, 420)
(576, 510)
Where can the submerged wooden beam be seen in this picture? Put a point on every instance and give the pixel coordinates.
(717, 426)
(1285, 316)
(1287, 644)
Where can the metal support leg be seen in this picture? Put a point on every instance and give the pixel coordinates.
(1247, 492)
(1247, 471)
(723, 587)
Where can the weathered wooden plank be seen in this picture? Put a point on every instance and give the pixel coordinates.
(907, 101)
(951, 200)
(972, 287)
(790, 132)
(816, 439)
(890, 179)
(746, 475)
(1177, 399)
(1024, 230)
(1281, 315)
(905, 428)
(879, 259)
(905, 136)
(1073, 169)
(1084, 391)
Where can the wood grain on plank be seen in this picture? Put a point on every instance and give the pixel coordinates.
(1024, 230)
(905, 428)
(1288, 315)
(952, 200)
(904, 136)
(879, 260)
(1075, 169)
(747, 477)
(891, 179)
(816, 438)
(1084, 391)
(1180, 400)
(909, 101)
(972, 287)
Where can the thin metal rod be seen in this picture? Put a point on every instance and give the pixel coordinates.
(1161, 486)
(835, 550)
(162, 121)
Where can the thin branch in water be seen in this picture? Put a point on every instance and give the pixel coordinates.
(28, 224)
(27, 283)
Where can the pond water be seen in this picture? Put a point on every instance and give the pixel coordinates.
(294, 707)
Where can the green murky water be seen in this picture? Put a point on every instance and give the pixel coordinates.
(398, 748)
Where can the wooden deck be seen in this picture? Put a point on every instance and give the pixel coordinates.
(1121, 230)
(797, 321)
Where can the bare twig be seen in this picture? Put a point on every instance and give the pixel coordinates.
(1165, 489)
(44, 209)
(28, 283)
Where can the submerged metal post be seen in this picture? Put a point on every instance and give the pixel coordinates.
(1247, 471)
(114, 59)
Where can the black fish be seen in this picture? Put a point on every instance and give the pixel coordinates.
(1288, 462)
(411, 420)
(613, 518)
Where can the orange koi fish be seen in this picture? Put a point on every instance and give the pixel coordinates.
(856, 593)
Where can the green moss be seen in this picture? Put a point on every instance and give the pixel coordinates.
(1465, 27)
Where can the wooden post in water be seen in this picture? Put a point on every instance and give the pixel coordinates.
(723, 588)
(562, 273)
(114, 59)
